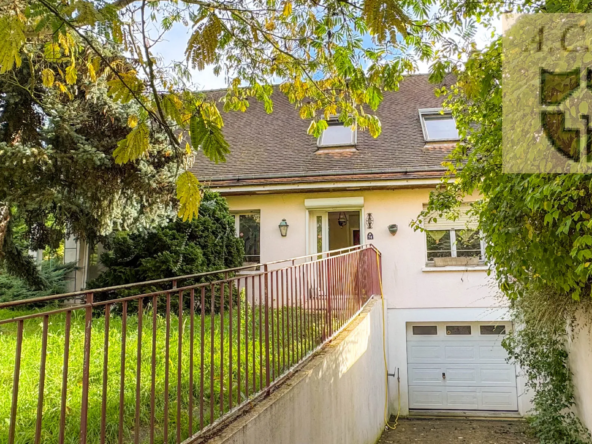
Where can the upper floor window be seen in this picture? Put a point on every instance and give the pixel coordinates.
(248, 228)
(337, 134)
(438, 125)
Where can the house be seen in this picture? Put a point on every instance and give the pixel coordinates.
(294, 195)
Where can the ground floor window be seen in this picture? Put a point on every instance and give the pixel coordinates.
(248, 228)
(454, 243)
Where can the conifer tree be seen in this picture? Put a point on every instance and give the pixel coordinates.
(58, 175)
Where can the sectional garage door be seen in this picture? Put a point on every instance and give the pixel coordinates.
(459, 366)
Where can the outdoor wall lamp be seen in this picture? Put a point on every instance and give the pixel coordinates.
(283, 228)
(393, 228)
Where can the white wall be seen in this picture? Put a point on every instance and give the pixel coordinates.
(406, 282)
(337, 398)
(412, 291)
(580, 360)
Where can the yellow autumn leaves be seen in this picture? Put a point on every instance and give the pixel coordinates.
(48, 77)
(12, 38)
(134, 145)
(189, 196)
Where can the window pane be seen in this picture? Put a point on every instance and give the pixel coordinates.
(425, 330)
(458, 330)
(337, 134)
(438, 244)
(493, 329)
(440, 127)
(468, 243)
(249, 232)
(319, 234)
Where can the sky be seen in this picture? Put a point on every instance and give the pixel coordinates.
(172, 48)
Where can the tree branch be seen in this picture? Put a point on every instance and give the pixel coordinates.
(151, 113)
(166, 127)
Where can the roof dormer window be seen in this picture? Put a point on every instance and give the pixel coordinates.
(337, 134)
(438, 125)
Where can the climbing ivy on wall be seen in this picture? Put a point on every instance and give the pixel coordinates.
(539, 345)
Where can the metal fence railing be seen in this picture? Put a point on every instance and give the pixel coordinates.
(169, 360)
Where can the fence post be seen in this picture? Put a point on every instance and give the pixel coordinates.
(359, 277)
(15, 383)
(265, 278)
(85, 369)
(379, 273)
(329, 276)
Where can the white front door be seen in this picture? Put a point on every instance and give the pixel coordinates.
(460, 366)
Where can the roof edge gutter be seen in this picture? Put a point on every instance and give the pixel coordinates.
(327, 186)
(324, 173)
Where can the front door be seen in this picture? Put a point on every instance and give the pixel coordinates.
(333, 230)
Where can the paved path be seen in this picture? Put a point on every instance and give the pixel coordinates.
(458, 431)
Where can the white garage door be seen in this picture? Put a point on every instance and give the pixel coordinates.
(459, 366)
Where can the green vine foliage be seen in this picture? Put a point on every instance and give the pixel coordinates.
(539, 347)
(179, 248)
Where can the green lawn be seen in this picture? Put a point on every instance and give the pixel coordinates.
(31, 352)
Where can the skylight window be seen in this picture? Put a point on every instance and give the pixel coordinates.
(437, 126)
(337, 135)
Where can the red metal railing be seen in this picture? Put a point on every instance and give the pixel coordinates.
(171, 365)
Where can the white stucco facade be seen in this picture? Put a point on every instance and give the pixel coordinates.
(413, 291)
(580, 360)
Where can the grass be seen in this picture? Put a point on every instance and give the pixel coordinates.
(31, 355)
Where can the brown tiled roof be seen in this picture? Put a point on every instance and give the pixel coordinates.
(267, 148)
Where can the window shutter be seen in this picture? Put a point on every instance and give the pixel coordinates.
(463, 221)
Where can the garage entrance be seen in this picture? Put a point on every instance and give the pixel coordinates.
(460, 366)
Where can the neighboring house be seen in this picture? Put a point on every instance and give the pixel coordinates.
(445, 322)
(87, 263)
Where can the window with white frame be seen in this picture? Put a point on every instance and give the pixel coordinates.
(438, 125)
(454, 243)
(458, 238)
(337, 134)
(248, 227)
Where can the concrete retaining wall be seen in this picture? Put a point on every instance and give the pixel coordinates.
(338, 397)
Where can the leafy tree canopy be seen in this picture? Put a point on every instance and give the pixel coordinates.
(332, 57)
